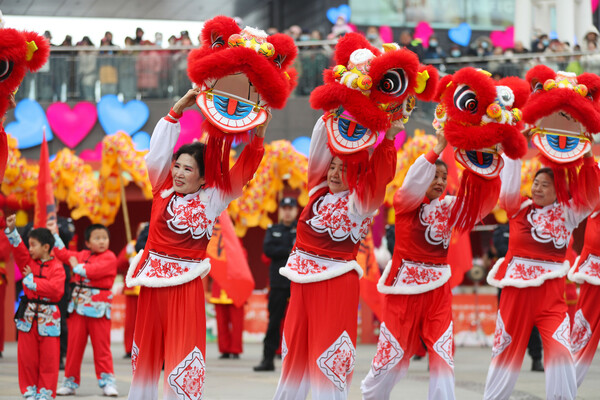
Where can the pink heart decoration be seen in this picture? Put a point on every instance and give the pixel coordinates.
(504, 39)
(594, 5)
(423, 31)
(386, 34)
(92, 155)
(190, 121)
(72, 125)
(398, 140)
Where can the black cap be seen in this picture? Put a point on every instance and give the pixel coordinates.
(288, 202)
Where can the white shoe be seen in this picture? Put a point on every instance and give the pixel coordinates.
(110, 390)
(65, 391)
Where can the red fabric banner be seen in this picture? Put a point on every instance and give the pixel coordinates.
(45, 208)
(229, 264)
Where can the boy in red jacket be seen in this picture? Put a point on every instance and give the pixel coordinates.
(38, 316)
(94, 272)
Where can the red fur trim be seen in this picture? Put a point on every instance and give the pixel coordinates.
(223, 26)
(431, 86)
(519, 87)
(216, 158)
(589, 182)
(40, 56)
(331, 96)
(539, 73)
(543, 103)
(271, 83)
(443, 86)
(471, 137)
(348, 44)
(474, 194)
(284, 46)
(592, 82)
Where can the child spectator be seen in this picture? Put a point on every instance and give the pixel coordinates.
(38, 316)
(94, 272)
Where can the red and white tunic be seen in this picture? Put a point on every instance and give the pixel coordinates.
(181, 225)
(332, 224)
(539, 236)
(422, 233)
(587, 266)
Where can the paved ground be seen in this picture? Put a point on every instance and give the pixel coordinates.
(235, 380)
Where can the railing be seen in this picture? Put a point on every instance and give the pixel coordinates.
(87, 73)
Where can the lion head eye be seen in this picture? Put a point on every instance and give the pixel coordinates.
(465, 99)
(5, 69)
(217, 40)
(394, 82)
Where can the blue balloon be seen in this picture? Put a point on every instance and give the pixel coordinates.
(461, 35)
(114, 116)
(302, 145)
(141, 141)
(29, 125)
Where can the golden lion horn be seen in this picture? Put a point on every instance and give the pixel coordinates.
(422, 78)
(31, 48)
(390, 47)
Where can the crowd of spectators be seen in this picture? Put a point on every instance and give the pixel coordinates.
(144, 68)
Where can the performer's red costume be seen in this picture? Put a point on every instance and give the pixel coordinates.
(131, 295)
(168, 268)
(89, 312)
(586, 326)
(38, 322)
(533, 274)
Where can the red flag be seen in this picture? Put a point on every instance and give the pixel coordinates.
(45, 209)
(368, 283)
(460, 257)
(229, 265)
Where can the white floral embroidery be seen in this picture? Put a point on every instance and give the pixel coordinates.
(337, 362)
(582, 332)
(187, 378)
(435, 217)
(333, 215)
(389, 352)
(501, 338)
(548, 225)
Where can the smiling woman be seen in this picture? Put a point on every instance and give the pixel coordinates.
(169, 270)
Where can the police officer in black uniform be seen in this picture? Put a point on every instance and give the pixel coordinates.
(278, 244)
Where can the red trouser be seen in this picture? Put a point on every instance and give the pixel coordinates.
(170, 328)
(520, 309)
(406, 320)
(130, 313)
(230, 326)
(98, 329)
(38, 359)
(319, 339)
(586, 329)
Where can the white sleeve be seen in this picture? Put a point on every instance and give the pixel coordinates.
(319, 156)
(415, 185)
(510, 190)
(160, 155)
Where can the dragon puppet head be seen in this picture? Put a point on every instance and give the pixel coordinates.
(20, 51)
(242, 73)
(480, 116)
(564, 110)
(367, 90)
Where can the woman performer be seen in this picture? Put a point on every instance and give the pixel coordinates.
(532, 278)
(586, 327)
(170, 323)
(319, 335)
(418, 301)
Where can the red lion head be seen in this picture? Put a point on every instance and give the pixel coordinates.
(564, 110)
(19, 52)
(368, 89)
(479, 115)
(240, 73)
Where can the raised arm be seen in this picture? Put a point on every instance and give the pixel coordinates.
(382, 168)
(419, 178)
(319, 156)
(510, 191)
(163, 140)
